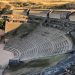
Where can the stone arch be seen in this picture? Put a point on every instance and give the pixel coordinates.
(69, 15)
(65, 15)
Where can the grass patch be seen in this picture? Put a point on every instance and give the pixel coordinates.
(43, 62)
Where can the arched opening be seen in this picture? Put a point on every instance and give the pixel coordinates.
(71, 16)
(65, 15)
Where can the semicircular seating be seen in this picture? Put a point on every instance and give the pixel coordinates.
(42, 42)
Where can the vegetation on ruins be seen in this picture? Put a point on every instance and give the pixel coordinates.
(6, 9)
(31, 5)
(1, 23)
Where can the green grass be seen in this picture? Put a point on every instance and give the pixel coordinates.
(41, 62)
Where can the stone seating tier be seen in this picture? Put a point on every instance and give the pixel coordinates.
(42, 42)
